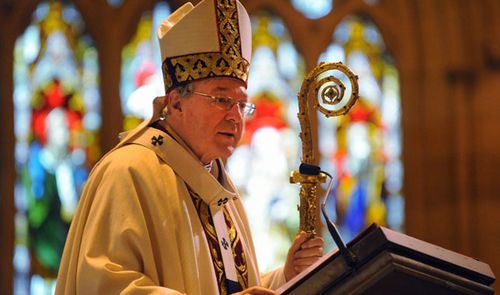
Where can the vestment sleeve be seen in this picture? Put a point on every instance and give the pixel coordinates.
(273, 279)
(116, 254)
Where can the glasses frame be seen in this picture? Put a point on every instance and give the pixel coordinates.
(226, 103)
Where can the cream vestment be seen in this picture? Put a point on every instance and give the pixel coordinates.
(136, 229)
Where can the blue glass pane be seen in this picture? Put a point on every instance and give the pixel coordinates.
(115, 3)
(313, 8)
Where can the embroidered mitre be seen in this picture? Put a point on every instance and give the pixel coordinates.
(211, 39)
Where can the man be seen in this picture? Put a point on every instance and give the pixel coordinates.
(159, 214)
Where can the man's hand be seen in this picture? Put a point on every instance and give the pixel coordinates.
(303, 252)
(256, 291)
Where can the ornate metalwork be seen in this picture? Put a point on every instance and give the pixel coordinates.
(319, 90)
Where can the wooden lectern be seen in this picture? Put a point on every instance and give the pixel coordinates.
(388, 262)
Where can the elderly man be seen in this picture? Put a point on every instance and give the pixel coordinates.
(159, 214)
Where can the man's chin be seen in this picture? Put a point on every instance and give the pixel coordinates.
(223, 148)
(226, 152)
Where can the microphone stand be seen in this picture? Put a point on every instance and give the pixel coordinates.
(349, 257)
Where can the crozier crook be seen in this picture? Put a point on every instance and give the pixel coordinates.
(320, 91)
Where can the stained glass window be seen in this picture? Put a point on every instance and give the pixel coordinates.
(115, 3)
(313, 8)
(270, 148)
(363, 148)
(142, 78)
(57, 117)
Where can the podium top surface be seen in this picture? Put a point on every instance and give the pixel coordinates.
(377, 239)
(380, 237)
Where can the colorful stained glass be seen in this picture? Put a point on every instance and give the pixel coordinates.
(313, 8)
(270, 148)
(57, 117)
(142, 78)
(363, 148)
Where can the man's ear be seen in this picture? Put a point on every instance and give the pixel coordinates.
(174, 101)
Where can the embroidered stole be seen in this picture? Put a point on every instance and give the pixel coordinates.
(225, 286)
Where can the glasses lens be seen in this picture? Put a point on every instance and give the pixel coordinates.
(224, 102)
(247, 109)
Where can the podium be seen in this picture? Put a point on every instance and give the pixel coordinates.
(388, 262)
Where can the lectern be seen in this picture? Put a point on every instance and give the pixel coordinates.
(388, 262)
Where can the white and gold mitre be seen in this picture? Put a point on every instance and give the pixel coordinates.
(211, 39)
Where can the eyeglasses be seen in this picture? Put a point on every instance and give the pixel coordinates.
(226, 103)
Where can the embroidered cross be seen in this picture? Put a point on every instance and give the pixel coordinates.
(224, 243)
(157, 140)
(222, 201)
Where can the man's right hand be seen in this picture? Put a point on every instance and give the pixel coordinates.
(257, 291)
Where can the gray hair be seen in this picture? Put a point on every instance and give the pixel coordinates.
(185, 89)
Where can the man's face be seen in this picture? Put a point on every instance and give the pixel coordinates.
(210, 131)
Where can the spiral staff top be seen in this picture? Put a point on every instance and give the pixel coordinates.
(318, 89)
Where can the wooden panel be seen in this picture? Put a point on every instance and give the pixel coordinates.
(486, 200)
(15, 16)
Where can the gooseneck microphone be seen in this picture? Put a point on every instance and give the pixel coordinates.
(349, 257)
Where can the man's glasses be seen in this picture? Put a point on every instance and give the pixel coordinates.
(226, 103)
